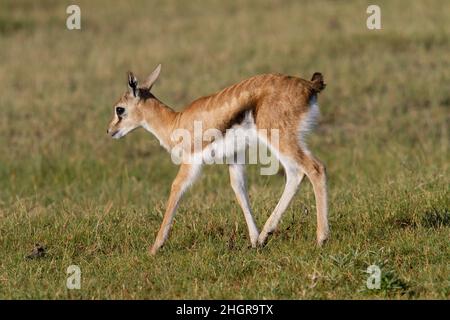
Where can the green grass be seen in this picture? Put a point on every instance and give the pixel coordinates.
(98, 203)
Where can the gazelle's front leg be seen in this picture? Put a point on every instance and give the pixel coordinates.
(185, 177)
(238, 183)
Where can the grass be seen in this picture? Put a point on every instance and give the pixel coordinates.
(98, 203)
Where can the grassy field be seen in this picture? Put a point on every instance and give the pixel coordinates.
(97, 203)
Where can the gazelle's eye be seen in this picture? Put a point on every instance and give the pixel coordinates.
(120, 111)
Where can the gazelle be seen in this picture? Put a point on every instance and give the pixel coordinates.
(269, 101)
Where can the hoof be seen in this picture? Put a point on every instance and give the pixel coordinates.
(262, 243)
(321, 240)
(152, 251)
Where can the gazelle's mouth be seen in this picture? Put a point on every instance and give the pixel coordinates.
(115, 134)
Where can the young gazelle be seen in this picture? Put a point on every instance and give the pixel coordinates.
(270, 101)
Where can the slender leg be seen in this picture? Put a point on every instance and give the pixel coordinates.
(238, 183)
(185, 177)
(316, 173)
(294, 176)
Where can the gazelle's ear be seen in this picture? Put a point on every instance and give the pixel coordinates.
(152, 78)
(133, 84)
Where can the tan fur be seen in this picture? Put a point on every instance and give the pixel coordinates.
(276, 102)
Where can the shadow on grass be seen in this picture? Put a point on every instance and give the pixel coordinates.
(436, 218)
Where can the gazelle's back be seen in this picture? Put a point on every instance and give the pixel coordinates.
(270, 97)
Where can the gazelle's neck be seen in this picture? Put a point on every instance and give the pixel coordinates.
(159, 120)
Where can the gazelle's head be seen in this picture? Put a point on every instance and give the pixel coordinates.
(128, 113)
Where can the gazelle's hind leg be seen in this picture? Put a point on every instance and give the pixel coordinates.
(238, 183)
(298, 162)
(294, 176)
(316, 173)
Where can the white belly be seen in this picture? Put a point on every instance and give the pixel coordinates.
(232, 145)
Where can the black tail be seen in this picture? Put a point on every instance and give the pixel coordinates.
(317, 82)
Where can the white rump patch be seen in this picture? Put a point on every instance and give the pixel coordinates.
(308, 122)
